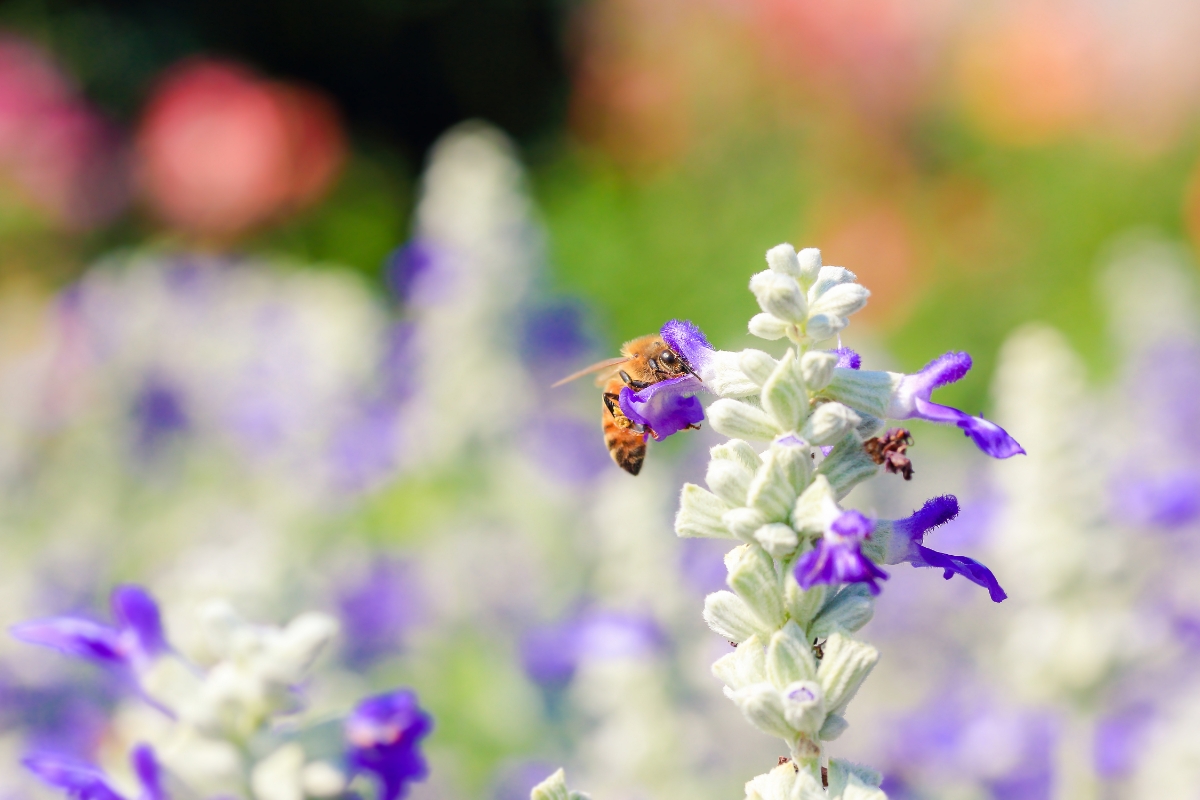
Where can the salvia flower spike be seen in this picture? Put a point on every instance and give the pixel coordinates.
(804, 572)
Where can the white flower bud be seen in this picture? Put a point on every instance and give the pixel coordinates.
(823, 326)
(322, 779)
(739, 451)
(722, 374)
(809, 260)
(757, 365)
(784, 396)
(852, 781)
(846, 664)
(700, 513)
(742, 667)
(827, 278)
(277, 777)
(771, 490)
(767, 326)
(785, 783)
(790, 656)
(782, 259)
(555, 788)
(742, 420)
(780, 296)
(816, 367)
(796, 458)
(752, 576)
(829, 423)
(744, 522)
(866, 390)
(848, 610)
(777, 539)
(802, 605)
(833, 727)
(729, 480)
(841, 301)
(816, 508)
(847, 466)
(803, 706)
(729, 616)
(762, 705)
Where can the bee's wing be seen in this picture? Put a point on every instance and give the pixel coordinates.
(598, 366)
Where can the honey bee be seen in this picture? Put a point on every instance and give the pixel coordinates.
(643, 361)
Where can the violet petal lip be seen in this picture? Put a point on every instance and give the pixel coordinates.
(665, 407)
(137, 638)
(686, 339)
(911, 401)
(911, 549)
(847, 358)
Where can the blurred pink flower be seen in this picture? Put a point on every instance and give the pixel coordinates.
(1033, 72)
(221, 150)
(56, 152)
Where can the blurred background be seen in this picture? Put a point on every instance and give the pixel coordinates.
(282, 286)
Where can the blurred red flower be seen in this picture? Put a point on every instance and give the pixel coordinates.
(221, 150)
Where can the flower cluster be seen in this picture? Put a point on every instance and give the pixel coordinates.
(803, 577)
(217, 731)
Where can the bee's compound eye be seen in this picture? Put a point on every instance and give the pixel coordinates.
(667, 358)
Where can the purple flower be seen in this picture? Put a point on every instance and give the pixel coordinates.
(847, 358)
(83, 781)
(687, 340)
(905, 546)
(1170, 501)
(911, 400)
(838, 557)
(405, 265)
(383, 734)
(554, 334)
(377, 610)
(1119, 740)
(158, 413)
(136, 640)
(665, 407)
(552, 653)
(670, 406)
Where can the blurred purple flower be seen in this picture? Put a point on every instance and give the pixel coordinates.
(378, 610)
(383, 735)
(136, 640)
(405, 266)
(906, 546)
(566, 448)
(83, 781)
(838, 557)
(1119, 740)
(550, 654)
(911, 400)
(158, 413)
(1168, 501)
(702, 562)
(554, 334)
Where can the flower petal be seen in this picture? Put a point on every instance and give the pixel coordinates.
(835, 563)
(969, 568)
(665, 407)
(81, 781)
(847, 358)
(73, 636)
(145, 765)
(136, 612)
(686, 339)
(383, 733)
(988, 436)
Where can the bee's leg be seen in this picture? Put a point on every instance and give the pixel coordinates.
(612, 403)
(631, 383)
